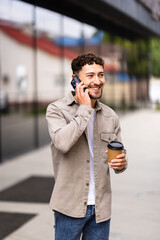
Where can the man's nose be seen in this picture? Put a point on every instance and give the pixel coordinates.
(96, 80)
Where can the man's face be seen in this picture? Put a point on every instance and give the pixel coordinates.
(93, 77)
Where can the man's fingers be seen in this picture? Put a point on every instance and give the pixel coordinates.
(121, 156)
(117, 165)
(86, 90)
(80, 87)
(121, 160)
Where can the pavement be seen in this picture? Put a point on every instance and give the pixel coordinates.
(136, 192)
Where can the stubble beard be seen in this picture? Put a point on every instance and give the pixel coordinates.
(96, 97)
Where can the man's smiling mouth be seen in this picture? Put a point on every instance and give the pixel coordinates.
(97, 87)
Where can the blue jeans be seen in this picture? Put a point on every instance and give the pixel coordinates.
(69, 228)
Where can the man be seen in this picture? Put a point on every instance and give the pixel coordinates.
(80, 128)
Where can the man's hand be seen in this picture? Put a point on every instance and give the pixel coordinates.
(118, 163)
(81, 96)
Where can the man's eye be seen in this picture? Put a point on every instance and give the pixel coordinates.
(102, 75)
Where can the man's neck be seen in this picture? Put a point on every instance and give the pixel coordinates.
(93, 103)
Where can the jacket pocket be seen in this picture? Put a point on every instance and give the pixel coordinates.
(107, 137)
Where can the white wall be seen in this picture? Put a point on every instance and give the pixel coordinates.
(154, 90)
(50, 70)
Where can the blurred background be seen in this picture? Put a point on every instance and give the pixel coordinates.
(38, 42)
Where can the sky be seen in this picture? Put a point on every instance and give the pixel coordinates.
(46, 20)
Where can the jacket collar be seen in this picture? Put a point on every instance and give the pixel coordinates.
(70, 100)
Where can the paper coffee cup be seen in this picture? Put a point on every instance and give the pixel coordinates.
(115, 148)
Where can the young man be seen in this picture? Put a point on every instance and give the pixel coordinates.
(80, 128)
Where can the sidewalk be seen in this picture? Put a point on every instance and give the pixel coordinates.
(136, 192)
(35, 164)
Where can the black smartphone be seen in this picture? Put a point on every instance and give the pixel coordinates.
(74, 81)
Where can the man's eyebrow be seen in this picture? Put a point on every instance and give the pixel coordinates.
(93, 72)
(89, 73)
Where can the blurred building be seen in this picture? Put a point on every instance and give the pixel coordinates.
(19, 52)
(18, 70)
(39, 39)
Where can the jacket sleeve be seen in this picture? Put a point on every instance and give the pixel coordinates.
(118, 133)
(64, 135)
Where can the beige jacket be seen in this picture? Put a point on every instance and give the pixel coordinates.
(67, 122)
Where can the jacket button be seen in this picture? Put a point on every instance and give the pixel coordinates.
(87, 184)
(87, 161)
(85, 203)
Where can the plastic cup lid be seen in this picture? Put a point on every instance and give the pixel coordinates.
(115, 145)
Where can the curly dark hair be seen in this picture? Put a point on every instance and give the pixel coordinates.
(85, 58)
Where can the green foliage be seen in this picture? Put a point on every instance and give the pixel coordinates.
(137, 59)
(107, 38)
(155, 49)
(35, 112)
(143, 57)
(157, 107)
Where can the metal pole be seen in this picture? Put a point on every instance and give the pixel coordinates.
(62, 58)
(0, 116)
(150, 70)
(35, 97)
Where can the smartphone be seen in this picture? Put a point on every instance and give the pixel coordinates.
(74, 81)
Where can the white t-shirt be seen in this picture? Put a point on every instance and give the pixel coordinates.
(90, 130)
